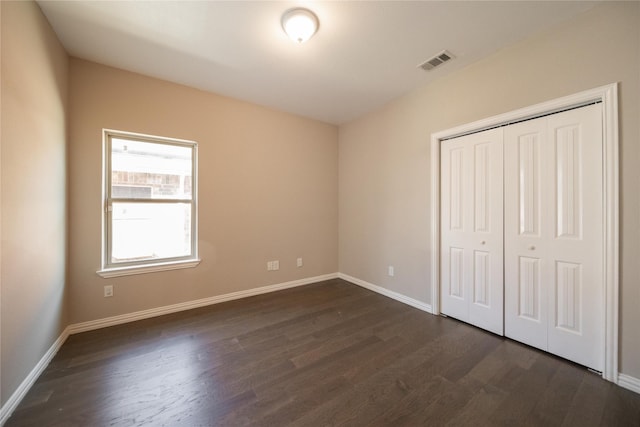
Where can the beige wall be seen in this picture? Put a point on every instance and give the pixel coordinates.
(34, 215)
(268, 180)
(384, 177)
(267, 190)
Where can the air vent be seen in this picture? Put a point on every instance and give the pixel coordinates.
(439, 59)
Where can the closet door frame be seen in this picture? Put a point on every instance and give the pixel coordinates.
(608, 95)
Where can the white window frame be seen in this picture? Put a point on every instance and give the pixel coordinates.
(109, 269)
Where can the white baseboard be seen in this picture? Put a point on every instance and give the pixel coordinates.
(13, 402)
(17, 396)
(7, 409)
(629, 382)
(15, 399)
(159, 311)
(625, 381)
(387, 293)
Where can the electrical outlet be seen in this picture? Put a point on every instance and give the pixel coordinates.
(391, 271)
(273, 265)
(299, 262)
(108, 291)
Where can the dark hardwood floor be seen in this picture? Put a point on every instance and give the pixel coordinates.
(331, 353)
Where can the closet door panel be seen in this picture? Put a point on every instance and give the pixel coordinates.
(472, 229)
(486, 306)
(576, 257)
(455, 227)
(553, 234)
(526, 232)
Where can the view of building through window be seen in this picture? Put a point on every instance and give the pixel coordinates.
(150, 199)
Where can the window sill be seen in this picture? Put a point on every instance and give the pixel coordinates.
(149, 268)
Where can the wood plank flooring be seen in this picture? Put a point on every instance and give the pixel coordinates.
(330, 353)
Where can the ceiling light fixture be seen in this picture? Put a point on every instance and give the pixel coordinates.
(299, 24)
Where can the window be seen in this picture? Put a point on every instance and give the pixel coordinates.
(149, 207)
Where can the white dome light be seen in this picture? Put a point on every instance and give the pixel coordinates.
(299, 24)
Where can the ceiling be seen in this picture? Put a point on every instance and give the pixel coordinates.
(364, 55)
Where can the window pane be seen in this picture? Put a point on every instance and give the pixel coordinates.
(150, 231)
(150, 170)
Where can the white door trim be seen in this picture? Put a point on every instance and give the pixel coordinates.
(608, 95)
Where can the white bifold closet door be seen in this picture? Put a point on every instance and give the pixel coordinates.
(471, 229)
(554, 234)
(521, 218)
